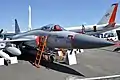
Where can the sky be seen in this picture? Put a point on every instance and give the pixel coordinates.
(62, 12)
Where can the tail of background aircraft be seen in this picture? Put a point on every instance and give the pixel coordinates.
(110, 15)
(17, 29)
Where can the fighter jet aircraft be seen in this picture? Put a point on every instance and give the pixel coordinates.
(58, 37)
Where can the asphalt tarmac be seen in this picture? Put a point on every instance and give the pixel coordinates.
(91, 63)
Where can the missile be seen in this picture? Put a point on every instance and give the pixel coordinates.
(13, 50)
(4, 55)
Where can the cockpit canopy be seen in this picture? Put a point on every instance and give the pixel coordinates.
(52, 27)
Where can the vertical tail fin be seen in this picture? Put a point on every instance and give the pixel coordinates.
(110, 15)
(1, 31)
(17, 29)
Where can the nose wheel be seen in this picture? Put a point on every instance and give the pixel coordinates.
(51, 59)
(7, 62)
(48, 58)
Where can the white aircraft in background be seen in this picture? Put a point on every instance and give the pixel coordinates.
(105, 28)
(109, 35)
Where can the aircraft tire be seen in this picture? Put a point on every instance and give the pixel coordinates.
(51, 59)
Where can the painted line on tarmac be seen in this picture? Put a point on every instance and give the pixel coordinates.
(95, 78)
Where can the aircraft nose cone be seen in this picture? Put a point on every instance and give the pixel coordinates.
(85, 41)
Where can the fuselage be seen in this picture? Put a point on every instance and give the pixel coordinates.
(93, 29)
(65, 39)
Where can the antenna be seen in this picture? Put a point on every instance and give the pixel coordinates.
(29, 25)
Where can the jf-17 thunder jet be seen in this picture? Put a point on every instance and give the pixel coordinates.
(107, 23)
(57, 37)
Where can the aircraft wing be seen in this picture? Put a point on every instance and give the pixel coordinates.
(16, 40)
(26, 36)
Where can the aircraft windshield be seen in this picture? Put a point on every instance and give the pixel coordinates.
(52, 27)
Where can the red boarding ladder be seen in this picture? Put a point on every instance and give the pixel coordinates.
(41, 47)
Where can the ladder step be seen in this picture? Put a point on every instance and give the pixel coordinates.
(38, 57)
(41, 47)
(38, 66)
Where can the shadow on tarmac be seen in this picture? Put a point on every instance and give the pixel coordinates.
(114, 50)
(54, 66)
